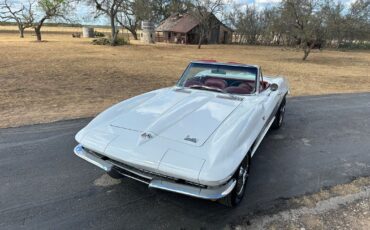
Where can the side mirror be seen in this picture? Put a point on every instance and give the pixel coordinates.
(274, 87)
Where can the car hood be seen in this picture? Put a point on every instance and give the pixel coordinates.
(187, 116)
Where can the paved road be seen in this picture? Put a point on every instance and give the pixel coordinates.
(325, 141)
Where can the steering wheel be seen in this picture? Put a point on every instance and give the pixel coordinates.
(235, 83)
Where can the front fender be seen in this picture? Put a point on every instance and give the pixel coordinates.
(112, 112)
(229, 145)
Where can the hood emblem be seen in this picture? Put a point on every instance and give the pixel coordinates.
(191, 139)
(147, 135)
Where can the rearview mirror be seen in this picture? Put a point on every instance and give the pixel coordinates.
(274, 87)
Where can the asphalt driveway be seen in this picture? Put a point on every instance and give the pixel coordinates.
(325, 141)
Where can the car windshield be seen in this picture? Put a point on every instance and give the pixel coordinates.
(220, 78)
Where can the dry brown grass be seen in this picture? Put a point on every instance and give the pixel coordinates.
(337, 190)
(338, 207)
(70, 78)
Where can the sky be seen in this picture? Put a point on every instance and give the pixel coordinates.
(84, 15)
(264, 3)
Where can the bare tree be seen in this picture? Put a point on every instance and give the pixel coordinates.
(162, 9)
(110, 8)
(272, 32)
(129, 22)
(132, 13)
(21, 15)
(247, 22)
(357, 23)
(333, 18)
(48, 9)
(204, 11)
(303, 22)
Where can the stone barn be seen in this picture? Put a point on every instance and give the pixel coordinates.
(184, 29)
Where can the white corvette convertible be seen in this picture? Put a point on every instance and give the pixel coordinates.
(196, 138)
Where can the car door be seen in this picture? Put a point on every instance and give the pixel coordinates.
(270, 99)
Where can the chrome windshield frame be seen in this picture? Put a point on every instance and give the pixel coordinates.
(257, 78)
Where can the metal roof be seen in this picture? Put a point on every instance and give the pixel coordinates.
(179, 23)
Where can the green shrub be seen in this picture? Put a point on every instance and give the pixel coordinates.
(121, 41)
(99, 34)
(101, 41)
(107, 41)
(354, 45)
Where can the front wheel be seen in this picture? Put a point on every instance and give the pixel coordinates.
(279, 116)
(241, 176)
(115, 174)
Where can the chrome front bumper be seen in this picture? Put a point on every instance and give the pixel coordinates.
(209, 193)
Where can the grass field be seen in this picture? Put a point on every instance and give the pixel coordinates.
(70, 78)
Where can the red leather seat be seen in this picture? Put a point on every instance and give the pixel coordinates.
(245, 85)
(243, 88)
(237, 90)
(192, 82)
(216, 83)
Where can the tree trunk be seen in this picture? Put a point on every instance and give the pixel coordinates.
(113, 32)
(134, 34)
(307, 49)
(21, 32)
(38, 33)
(200, 40)
(306, 53)
(38, 28)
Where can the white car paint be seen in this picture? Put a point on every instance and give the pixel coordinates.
(193, 135)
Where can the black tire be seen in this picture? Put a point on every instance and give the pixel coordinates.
(115, 174)
(241, 175)
(279, 116)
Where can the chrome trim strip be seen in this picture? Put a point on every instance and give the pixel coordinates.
(231, 97)
(262, 135)
(134, 178)
(131, 171)
(79, 151)
(203, 193)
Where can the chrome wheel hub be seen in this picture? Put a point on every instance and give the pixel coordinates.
(281, 117)
(242, 179)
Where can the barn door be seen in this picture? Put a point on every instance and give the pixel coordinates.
(224, 41)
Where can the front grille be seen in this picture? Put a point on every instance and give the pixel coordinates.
(132, 175)
(142, 175)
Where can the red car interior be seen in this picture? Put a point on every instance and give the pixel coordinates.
(236, 86)
(216, 83)
(192, 82)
